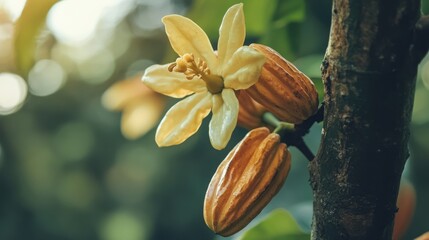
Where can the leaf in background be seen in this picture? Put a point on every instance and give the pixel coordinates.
(279, 39)
(208, 15)
(259, 15)
(268, 20)
(425, 7)
(289, 11)
(282, 34)
(27, 29)
(310, 65)
(278, 225)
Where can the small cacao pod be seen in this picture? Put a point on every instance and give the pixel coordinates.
(246, 181)
(282, 89)
(424, 236)
(250, 112)
(406, 203)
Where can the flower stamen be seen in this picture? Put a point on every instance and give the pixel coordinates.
(192, 67)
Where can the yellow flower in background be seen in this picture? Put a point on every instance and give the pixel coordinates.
(7, 55)
(208, 77)
(142, 107)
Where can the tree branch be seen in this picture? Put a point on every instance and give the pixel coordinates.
(369, 78)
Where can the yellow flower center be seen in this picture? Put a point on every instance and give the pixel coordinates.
(192, 67)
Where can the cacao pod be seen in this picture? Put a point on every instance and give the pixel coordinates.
(245, 182)
(406, 203)
(250, 112)
(282, 89)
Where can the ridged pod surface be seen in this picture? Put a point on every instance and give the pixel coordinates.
(245, 182)
(250, 112)
(284, 90)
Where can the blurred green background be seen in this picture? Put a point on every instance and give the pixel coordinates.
(66, 169)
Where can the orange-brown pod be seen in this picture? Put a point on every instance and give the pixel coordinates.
(245, 181)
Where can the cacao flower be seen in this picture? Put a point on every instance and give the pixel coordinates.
(206, 78)
(250, 112)
(284, 90)
(246, 181)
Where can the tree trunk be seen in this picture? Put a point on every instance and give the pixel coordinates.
(369, 75)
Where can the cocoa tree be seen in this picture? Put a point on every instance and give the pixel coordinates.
(369, 73)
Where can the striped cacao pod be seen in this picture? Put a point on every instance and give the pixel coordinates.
(282, 89)
(245, 182)
(250, 112)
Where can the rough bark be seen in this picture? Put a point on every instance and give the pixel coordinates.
(369, 76)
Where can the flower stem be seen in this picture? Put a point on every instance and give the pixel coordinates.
(292, 134)
(279, 126)
(302, 146)
(270, 119)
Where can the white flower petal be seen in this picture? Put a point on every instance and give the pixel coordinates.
(187, 37)
(243, 69)
(183, 119)
(172, 84)
(232, 32)
(224, 119)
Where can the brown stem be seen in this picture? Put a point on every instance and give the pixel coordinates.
(294, 138)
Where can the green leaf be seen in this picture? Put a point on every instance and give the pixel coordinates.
(425, 7)
(278, 225)
(279, 39)
(259, 16)
(27, 29)
(310, 65)
(289, 11)
(282, 34)
(268, 20)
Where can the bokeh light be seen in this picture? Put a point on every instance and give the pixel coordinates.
(13, 91)
(120, 41)
(14, 7)
(123, 225)
(74, 141)
(38, 165)
(425, 73)
(46, 77)
(74, 21)
(128, 180)
(150, 10)
(138, 66)
(421, 106)
(97, 68)
(77, 190)
(6, 41)
(146, 18)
